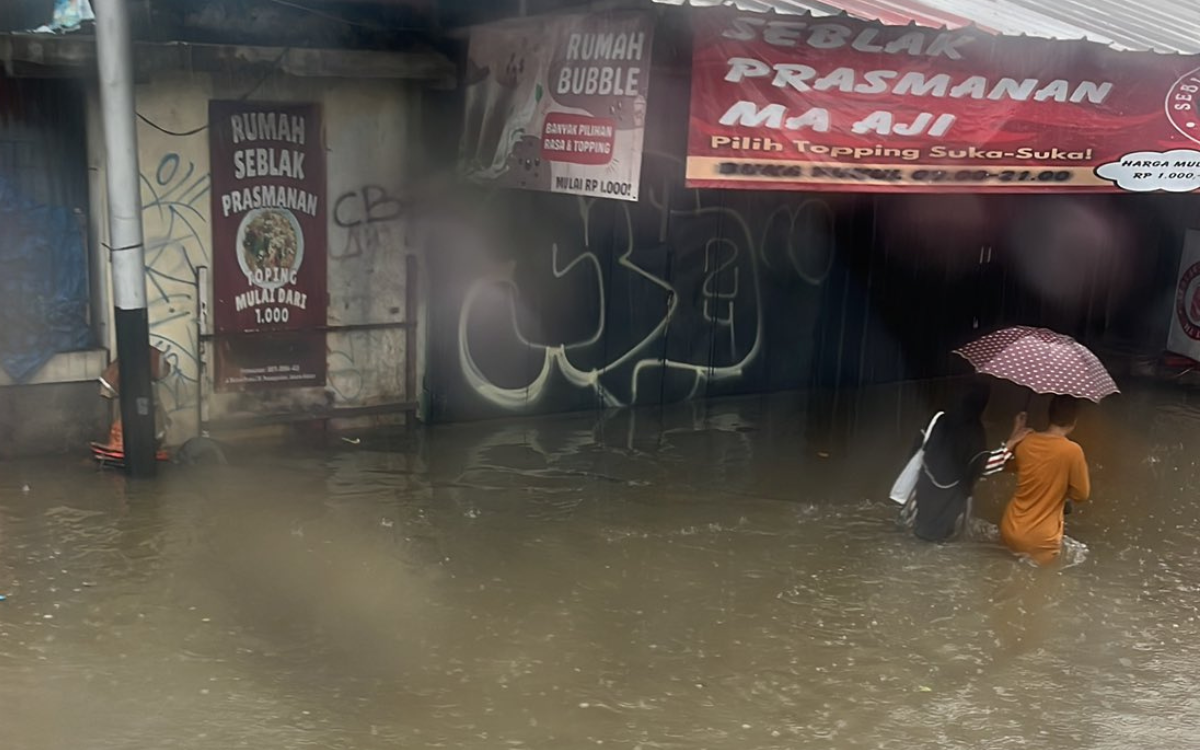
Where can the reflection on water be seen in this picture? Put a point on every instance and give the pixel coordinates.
(694, 578)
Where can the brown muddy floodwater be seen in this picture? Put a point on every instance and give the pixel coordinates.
(694, 579)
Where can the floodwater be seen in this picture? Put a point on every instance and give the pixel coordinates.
(688, 578)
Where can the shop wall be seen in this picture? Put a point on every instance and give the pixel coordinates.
(933, 272)
(369, 137)
(545, 303)
(558, 303)
(551, 303)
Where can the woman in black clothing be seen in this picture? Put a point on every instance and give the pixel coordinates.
(956, 456)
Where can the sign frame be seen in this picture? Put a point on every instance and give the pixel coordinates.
(269, 244)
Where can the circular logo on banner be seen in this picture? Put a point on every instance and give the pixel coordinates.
(1187, 302)
(270, 247)
(1183, 105)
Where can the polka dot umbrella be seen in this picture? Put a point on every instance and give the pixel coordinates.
(1041, 360)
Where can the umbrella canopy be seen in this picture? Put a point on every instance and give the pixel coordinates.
(1041, 360)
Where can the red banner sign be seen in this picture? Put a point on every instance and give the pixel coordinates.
(838, 104)
(1183, 334)
(269, 244)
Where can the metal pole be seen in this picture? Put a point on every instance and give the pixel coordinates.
(114, 55)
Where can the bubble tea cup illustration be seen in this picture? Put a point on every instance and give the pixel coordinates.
(495, 96)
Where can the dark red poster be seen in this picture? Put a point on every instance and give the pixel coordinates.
(269, 244)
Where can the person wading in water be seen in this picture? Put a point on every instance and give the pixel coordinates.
(956, 456)
(1051, 469)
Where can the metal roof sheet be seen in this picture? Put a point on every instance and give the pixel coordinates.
(1170, 26)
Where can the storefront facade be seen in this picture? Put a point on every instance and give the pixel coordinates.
(364, 326)
(703, 287)
(561, 289)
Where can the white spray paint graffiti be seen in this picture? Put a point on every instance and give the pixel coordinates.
(558, 358)
(723, 301)
(805, 258)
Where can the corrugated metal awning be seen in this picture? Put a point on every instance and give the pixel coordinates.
(77, 51)
(1170, 26)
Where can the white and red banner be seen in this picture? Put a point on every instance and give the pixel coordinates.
(558, 103)
(1184, 335)
(840, 104)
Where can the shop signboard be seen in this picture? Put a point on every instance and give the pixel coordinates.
(1183, 337)
(268, 244)
(839, 104)
(558, 103)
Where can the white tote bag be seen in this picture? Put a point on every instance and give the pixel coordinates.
(907, 481)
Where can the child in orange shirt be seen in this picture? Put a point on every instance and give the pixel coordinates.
(1051, 469)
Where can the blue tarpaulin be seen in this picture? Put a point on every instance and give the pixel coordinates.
(69, 15)
(43, 284)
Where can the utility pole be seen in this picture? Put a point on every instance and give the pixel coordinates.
(114, 55)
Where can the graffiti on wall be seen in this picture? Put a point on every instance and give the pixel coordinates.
(366, 216)
(175, 220)
(367, 285)
(620, 304)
